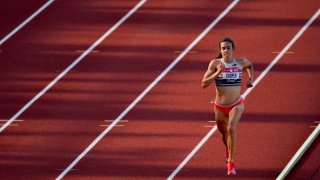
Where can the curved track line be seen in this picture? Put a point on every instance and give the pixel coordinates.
(26, 21)
(147, 90)
(80, 58)
(262, 75)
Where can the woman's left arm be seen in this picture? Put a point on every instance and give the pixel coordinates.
(249, 69)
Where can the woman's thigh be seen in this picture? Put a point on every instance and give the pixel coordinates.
(235, 115)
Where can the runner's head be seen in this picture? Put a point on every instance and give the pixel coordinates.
(226, 45)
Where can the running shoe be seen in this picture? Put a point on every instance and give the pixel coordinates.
(231, 169)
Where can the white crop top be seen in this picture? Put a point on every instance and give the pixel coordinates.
(231, 74)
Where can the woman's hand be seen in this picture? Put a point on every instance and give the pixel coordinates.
(220, 67)
(214, 69)
(250, 83)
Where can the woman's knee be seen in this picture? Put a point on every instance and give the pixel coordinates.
(231, 129)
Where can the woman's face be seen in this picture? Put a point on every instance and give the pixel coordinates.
(226, 50)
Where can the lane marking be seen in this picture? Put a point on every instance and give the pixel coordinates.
(26, 21)
(120, 117)
(149, 88)
(247, 92)
(107, 125)
(289, 52)
(193, 152)
(295, 38)
(160, 71)
(80, 58)
(212, 121)
(299, 153)
(93, 51)
(190, 52)
(70, 170)
(183, 170)
(125, 121)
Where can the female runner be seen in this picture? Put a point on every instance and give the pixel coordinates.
(226, 72)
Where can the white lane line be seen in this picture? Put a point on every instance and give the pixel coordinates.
(93, 51)
(190, 52)
(26, 21)
(125, 121)
(148, 89)
(193, 152)
(246, 93)
(289, 52)
(107, 125)
(299, 153)
(83, 55)
(171, 170)
(286, 48)
(70, 170)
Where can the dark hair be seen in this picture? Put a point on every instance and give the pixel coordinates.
(226, 39)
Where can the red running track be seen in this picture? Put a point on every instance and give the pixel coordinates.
(14, 12)
(165, 126)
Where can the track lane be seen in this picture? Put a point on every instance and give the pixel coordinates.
(305, 63)
(159, 117)
(272, 122)
(33, 58)
(153, 68)
(165, 105)
(74, 63)
(147, 90)
(139, 153)
(62, 123)
(18, 150)
(14, 12)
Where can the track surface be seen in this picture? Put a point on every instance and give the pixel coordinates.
(14, 12)
(162, 129)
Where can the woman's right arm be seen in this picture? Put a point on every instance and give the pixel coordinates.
(214, 69)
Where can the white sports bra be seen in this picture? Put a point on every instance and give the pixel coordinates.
(231, 74)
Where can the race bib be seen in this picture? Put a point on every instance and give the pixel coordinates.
(231, 75)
